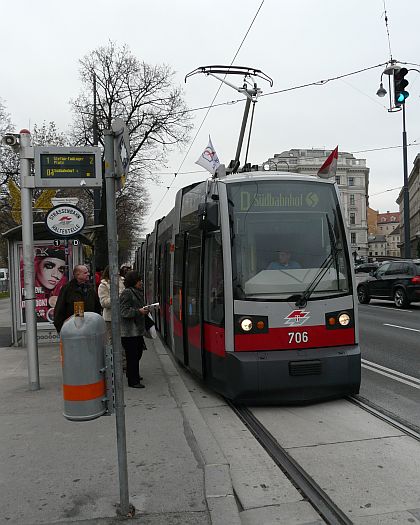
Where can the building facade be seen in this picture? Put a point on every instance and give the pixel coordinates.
(372, 216)
(388, 225)
(377, 246)
(353, 181)
(414, 202)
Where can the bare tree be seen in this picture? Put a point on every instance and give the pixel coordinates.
(9, 163)
(153, 108)
(48, 134)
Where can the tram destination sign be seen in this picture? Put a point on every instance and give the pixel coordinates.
(67, 167)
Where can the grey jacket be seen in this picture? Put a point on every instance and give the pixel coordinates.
(132, 321)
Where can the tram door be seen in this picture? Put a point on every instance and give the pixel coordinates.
(165, 295)
(192, 301)
(178, 299)
(158, 287)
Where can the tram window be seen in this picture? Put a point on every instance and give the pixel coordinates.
(193, 278)
(301, 218)
(213, 280)
(149, 273)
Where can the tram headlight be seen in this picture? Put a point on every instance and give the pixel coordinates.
(344, 319)
(246, 325)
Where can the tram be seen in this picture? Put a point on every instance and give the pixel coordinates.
(253, 274)
(255, 331)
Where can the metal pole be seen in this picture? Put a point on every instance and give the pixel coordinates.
(28, 260)
(125, 507)
(242, 132)
(406, 194)
(96, 191)
(66, 258)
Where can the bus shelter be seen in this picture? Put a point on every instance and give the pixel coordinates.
(53, 263)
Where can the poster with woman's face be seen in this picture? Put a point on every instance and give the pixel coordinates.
(50, 277)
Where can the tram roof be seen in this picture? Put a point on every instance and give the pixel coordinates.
(273, 175)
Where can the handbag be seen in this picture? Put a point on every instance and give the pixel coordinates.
(150, 327)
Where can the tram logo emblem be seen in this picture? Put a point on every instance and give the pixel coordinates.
(312, 199)
(297, 318)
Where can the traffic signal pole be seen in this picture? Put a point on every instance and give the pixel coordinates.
(406, 194)
(397, 102)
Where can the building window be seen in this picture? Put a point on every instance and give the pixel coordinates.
(351, 181)
(338, 179)
(351, 200)
(353, 238)
(352, 218)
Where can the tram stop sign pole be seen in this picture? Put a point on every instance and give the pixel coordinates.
(111, 136)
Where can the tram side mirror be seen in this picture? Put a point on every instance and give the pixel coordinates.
(208, 213)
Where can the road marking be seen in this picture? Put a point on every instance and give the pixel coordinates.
(389, 308)
(393, 374)
(402, 327)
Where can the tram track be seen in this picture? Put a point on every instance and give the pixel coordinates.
(382, 414)
(303, 482)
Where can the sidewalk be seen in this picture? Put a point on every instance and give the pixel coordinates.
(57, 471)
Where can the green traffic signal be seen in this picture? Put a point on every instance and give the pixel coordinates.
(402, 96)
(400, 83)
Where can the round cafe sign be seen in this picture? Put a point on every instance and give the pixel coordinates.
(65, 220)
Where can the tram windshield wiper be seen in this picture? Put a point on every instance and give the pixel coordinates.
(331, 258)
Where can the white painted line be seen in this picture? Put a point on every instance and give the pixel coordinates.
(402, 327)
(389, 308)
(413, 382)
(390, 370)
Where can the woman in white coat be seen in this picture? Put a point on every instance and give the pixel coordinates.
(104, 294)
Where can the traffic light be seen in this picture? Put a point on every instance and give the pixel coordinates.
(400, 83)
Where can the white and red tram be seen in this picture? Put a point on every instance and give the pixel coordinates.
(253, 330)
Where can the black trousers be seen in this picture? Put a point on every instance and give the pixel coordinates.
(133, 347)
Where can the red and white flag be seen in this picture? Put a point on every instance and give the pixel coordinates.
(329, 168)
(209, 159)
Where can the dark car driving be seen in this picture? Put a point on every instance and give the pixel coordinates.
(398, 281)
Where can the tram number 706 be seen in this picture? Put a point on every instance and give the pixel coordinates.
(298, 337)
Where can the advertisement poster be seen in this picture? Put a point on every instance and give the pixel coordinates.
(50, 277)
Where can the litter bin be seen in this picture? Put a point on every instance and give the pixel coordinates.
(82, 347)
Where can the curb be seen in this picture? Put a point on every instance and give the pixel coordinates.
(218, 486)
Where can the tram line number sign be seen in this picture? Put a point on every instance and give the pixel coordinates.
(68, 167)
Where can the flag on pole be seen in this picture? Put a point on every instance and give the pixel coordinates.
(209, 159)
(329, 168)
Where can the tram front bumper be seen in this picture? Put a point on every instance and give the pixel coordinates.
(293, 376)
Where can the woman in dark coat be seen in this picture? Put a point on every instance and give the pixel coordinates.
(132, 325)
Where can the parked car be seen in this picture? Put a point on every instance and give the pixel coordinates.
(398, 281)
(366, 267)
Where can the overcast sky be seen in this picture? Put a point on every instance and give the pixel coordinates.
(295, 43)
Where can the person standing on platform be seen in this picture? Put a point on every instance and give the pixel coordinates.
(77, 290)
(104, 294)
(132, 325)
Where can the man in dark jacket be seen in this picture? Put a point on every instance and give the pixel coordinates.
(76, 290)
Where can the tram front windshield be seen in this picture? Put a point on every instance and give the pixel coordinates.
(285, 235)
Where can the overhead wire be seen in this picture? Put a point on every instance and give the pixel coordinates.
(212, 105)
(207, 112)
(387, 30)
(321, 82)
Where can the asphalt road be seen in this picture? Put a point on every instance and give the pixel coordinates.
(390, 346)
